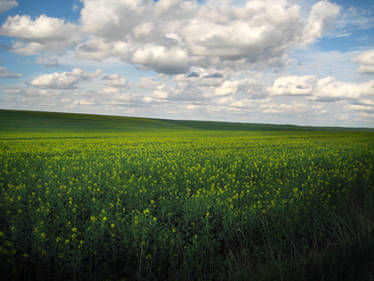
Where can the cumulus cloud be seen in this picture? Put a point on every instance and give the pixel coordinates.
(6, 5)
(231, 95)
(293, 85)
(212, 87)
(115, 80)
(5, 73)
(203, 78)
(47, 62)
(212, 49)
(64, 80)
(111, 19)
(162, 59)
(11, 91)
(366, 61)
(98, 49)
(42, 33)
(324, 89)
(329, 88)
(359, 107)
(321, 18)
(227, 88)
(41, 29)
(170, 36)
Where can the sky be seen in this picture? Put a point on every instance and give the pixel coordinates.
(301, 62)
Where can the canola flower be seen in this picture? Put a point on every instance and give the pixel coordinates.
(181, 195)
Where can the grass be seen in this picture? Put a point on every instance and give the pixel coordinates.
(35, 121)
(88, 197)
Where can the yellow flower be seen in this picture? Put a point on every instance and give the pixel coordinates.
(105, 219)
(112, 225)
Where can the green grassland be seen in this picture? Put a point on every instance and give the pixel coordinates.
(89, 197)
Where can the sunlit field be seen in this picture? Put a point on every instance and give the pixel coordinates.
(178, 202)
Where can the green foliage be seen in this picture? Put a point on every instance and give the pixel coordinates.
(186, 205)
(47, 122)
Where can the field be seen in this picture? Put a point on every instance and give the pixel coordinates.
(88, 197)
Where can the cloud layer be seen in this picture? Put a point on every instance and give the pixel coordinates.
(64, 80)
(212, 59)
(366, 61)
(41, 34)
(171, 36)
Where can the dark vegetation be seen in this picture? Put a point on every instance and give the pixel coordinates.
(89, 197)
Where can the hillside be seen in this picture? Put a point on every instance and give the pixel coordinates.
(37, 121)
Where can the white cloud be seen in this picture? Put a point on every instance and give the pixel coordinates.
(25, 49)
(6, 5)
(110, 91)
(329, 88)
(12, 91)
(272, 107)
(5, 73)
(111, 19)
(115, 80)
(143, 29)
(227, 88)
(237, 32)
(99, 49)
(162, 59)
(232, 98)
(42, 33)
(169, 36)
(47, 62)
(64, 80)
(365, 102)
(359, 107)
(325, 89)
(148, 83)
(366, 61)
(321, 18)
(41, 29)
(213, 49)
(293, 85)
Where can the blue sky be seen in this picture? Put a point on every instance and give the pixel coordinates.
(299, 62)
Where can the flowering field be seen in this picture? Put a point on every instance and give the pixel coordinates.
(186, 205)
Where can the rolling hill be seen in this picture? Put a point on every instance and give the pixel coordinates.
(37, 121)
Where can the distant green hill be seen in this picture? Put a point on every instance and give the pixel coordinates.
(36, 121)
(11, 120)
